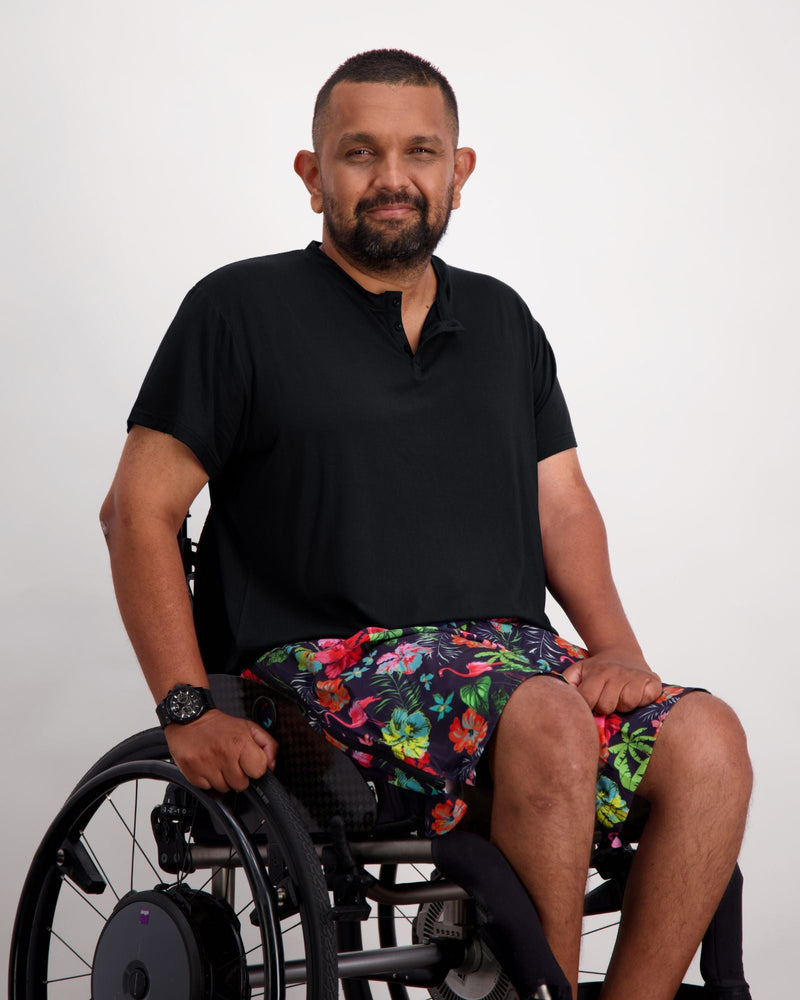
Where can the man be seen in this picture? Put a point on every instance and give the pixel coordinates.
(379, 432)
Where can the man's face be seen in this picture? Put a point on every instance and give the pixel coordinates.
(386, 173)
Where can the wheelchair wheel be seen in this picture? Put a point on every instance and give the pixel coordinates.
(146, 887)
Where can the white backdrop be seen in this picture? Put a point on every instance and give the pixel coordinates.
(637, 182)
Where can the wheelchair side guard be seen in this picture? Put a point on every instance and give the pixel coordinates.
(511, 928)
(721, 953)
(324, 782)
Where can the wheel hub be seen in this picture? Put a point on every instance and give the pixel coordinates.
(169, 944)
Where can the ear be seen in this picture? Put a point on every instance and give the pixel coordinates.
(465, 159)
(306, 166)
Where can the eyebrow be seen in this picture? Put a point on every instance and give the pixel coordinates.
(368, 138)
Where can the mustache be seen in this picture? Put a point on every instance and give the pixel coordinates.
(401, 197)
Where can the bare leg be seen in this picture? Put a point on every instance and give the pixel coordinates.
(698, 784)
(543, 758)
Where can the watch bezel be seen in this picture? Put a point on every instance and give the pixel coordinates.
(174, 707)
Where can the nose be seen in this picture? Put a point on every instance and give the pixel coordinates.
(391, 174)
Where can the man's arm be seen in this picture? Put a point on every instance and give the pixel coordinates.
(615, 675)
(157, 480)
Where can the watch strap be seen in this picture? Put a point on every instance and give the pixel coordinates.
(165, 715)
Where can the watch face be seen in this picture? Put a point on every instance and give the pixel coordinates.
(185, 704)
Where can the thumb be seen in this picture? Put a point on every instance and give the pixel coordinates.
(574, 673)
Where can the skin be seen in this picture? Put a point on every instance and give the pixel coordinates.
(380, 141)
(385, 146)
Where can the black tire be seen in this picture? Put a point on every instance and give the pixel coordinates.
(79, 886)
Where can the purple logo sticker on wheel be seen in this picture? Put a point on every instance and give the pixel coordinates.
(144, 917)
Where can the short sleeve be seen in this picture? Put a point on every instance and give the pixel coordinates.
(195, 388)
(554, 431)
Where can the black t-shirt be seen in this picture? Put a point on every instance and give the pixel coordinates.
(352, 482)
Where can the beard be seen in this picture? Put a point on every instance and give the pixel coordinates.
(393, 244)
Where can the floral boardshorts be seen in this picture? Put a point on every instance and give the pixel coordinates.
(420, 705)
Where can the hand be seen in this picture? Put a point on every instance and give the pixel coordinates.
(614, 682)
(221, 751)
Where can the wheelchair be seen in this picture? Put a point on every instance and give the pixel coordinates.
(147, 888)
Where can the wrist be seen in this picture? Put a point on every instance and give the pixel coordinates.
(629, 656)
(184, 704)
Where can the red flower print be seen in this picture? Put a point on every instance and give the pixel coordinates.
(607, 726)
(467, 732)
(462, 640)
(332, 694)
(337, 655)
(574, 651)
(445, 815)
(422, 763)
(667, 693)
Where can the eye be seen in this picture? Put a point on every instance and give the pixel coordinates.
(361, 151)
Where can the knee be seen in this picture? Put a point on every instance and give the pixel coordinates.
(703, 737)
(547, 720)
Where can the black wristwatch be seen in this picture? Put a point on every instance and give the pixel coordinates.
(183, 704)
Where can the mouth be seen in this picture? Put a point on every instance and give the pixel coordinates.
(388, 208)
(392, 211)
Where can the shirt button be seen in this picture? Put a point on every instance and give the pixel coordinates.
(395, 302)
(398, 326)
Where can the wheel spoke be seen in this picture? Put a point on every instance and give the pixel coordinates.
(605, 927)
(67, 979)
(219, 868)
(77, 954)
(96, 859)
(83, 896)
(113, 805)
(133, 838)
(67, 938)
(246, 906)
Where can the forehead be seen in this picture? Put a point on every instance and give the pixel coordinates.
(382, 109)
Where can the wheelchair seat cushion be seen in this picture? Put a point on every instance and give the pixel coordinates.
(420, 704)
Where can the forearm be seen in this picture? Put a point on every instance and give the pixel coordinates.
(157, 480)
(579, 576)
(154, 601)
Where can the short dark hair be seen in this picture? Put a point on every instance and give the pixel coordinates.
(393, 66)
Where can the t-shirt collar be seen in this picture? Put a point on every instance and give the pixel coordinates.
(443, 309)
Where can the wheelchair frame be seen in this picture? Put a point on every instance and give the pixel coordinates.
(300, 842)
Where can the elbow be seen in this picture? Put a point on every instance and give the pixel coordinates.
(107, 515)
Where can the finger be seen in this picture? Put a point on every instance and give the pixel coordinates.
(574, 673)
(264, 739)
(207, 778)
(608, 700)
(653, 689)
(636, 694)
(592, 688)
(631, 696)
(197, 780)
(253, 760)
(192, 771)
(233, 777)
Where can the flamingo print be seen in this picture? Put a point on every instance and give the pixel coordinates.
(474, 669)
(358, 714)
